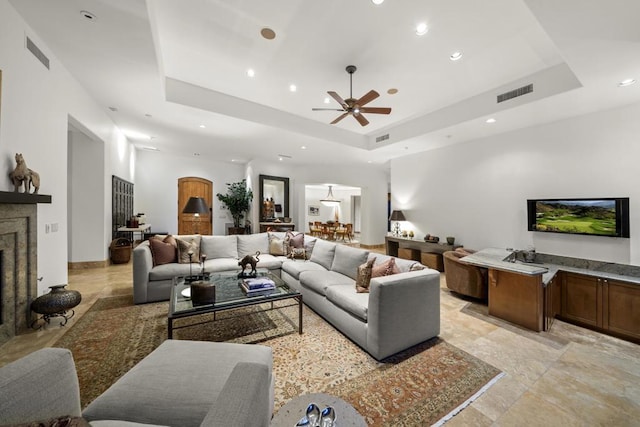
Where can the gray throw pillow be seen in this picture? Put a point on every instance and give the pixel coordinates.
(323, 253)
(347, 260)
(219, 246)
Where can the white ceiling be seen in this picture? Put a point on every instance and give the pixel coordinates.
(184, 63)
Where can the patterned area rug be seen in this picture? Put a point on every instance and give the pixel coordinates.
(416, 387)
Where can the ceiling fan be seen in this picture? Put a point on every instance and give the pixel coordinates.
(355, 107)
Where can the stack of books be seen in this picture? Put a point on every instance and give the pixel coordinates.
(257, 286)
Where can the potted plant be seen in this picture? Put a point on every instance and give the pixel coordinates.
(237, 200)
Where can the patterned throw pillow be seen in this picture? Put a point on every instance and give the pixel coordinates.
(291, 241)
(364, 276)
(416, 267)
(185, 246)
(385, 269)
(163, 251)
(299, 253)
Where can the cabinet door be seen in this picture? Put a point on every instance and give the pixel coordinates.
(581, 296)
(622, 308)
(517, 298)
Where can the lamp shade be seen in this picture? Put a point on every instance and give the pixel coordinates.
(196, 205)
(397, 216)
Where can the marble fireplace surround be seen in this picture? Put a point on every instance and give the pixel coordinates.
(18, 260)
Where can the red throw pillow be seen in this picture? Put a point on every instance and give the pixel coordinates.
(386, 268)
(162, 252)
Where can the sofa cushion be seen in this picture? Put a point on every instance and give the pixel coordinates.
(386, 268)
(323, 253)
(271, 262)
(186, 245)
(294, 268)
(276, 245)
(364, 276)
(249, 244)
(221, 264)
(346, 297)
(318, 281)
(162, 252)
(348, 259)
(169, 271)
(219, 246)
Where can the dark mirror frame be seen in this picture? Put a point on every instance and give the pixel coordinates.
(261, 179)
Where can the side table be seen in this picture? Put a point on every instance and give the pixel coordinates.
(294, 410)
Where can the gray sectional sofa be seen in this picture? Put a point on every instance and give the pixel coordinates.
(400, 310)
(176, 385)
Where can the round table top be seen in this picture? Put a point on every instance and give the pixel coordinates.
(294, 410)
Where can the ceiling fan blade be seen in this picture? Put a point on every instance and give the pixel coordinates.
(360, 118)
(327, 109)
(342, 116)
(339, 99)
(375, 110)
(368, 97)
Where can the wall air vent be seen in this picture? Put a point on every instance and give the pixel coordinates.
(37, 53)
(515, 93)
(382, 138)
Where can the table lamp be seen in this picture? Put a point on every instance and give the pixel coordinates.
(196, 206)
(397, 216)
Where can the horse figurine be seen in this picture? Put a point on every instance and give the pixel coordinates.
(22, 174)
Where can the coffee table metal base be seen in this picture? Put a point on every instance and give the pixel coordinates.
(171, 327)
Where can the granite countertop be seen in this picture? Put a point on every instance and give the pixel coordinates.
(548, 265)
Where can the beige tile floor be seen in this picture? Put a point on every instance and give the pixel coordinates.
(569, 376)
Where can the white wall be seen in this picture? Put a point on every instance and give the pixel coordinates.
(86, 198)
(156, 187)
(37, 105)
(477, 191)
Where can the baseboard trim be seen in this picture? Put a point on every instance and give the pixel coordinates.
(87, 265)
(380, 246)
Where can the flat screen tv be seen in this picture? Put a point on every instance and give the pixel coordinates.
(593, 217)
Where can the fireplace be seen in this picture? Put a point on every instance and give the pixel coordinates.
(18, 260)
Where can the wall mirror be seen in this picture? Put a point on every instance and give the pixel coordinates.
(274, 197)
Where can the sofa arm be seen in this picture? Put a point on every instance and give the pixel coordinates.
(244, 399)
(39, 386)
(142, 265)
(404, 310)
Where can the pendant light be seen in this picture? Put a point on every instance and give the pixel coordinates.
(330, 200)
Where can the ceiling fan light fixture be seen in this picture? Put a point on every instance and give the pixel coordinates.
(330, 200)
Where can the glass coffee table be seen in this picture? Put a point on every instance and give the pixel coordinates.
(228, 295)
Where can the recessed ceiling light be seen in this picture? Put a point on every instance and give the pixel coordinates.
(392, 91)
(268, 33)
(293, 88)
(303, 147)
(233, 160)
(491, 120)
(250, 72)
(377, 2)
(202, 126)
(88, 15)
(455, 56)
(369, 161)
(627, 82)
(327, 100)
(421, 29)
(280, 158)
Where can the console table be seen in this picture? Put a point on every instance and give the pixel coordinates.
(427, 253)
(277, 226)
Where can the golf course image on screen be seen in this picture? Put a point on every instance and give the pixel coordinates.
(577, 216)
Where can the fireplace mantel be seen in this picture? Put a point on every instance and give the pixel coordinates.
(23, 198)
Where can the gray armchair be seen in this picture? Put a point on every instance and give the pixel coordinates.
(463, 278)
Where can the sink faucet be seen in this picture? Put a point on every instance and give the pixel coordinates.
(512, 256)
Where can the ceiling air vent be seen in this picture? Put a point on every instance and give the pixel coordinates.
(37, 53)
(515, 93)
(382, 138)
